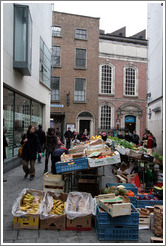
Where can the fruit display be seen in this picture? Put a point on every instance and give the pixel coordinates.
(30, 203)
(147, 198)
(58, 207)
(96, 137)
(119, 190)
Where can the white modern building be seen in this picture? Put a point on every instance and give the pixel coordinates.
(26, 71)
(155, 72)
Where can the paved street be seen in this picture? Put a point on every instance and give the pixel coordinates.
(14, 185)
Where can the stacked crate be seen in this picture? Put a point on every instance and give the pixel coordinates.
(117, 228)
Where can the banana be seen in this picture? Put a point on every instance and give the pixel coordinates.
(58, 203)
(58, 212)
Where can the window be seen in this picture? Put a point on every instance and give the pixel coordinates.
(106, 79)
(45, 63)
(130, 81)
(79, 93)
(56, 55)
(81, 34)
(22, 52)
(80, 61)
(36, 113)
(56, 31)
(105, 118)
(55, 84)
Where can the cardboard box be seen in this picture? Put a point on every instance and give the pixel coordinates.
(55, 222)
(26, 222)
(79, 223)
(104, 161)
(115, 206)
(144, 222)
(53, 183)
(104, 196)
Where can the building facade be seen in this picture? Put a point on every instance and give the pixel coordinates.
(26, 71)
(74, 98)
(122, 82)
(155, 72)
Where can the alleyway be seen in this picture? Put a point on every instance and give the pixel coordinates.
(14, 185)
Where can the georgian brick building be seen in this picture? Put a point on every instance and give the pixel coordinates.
(98, 80)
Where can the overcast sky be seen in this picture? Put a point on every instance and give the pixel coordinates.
(113, 14)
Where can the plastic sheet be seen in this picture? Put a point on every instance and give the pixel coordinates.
(17, 212)
(79, 204)
(48, 204)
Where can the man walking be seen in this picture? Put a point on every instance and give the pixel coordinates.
(135, 138)
(68, 135)
(41, 136)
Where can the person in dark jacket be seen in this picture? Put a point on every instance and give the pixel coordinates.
(30, 149)
(68, 135)
(104, 136)
(127, 137)
(57, 157)
(120, 136)
(41, 136)
(5, 144)
(135, 138)
(51, 143)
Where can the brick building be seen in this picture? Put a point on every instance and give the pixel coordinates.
(74, 97)
(122, 81)
(98, 79)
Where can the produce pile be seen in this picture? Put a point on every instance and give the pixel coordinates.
(58, 207)
(96, 137)
(147, 198)
(119, 190)
(30, 204)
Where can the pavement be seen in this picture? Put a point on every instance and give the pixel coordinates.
(14, 185)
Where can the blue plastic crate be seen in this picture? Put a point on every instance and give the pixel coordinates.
(128, 186)
(120, 233)
(103, 218)
(72, 165)
(144, 203)
(133, 200)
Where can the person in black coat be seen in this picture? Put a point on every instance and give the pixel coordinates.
(51, 143)
(5, 144)
(57, 157)
(135, 138)
(120, 136)
(41, 136)
(31, 147)
(68, 135)
(127, 137)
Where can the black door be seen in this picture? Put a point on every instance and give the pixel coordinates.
(84, 124)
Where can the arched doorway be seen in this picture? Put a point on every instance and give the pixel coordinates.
(85, 120)
(130, 123)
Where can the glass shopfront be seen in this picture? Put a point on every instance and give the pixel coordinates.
(18, 113)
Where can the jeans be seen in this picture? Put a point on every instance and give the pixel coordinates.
(30, 170)
(46, 160)
(68, 143)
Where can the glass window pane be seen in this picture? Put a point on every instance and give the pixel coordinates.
(22, 119)
(20, 15)
(55, 84)
(36, 114)
(8, 109)
(80, 58)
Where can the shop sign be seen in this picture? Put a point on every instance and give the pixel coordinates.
(130, 119)
(57, 105)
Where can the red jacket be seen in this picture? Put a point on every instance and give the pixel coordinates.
(150, 142)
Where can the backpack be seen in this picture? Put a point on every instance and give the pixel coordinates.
(154, 144)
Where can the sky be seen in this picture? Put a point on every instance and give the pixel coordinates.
(113, 14)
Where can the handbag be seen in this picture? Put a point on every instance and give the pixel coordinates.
(20, 151)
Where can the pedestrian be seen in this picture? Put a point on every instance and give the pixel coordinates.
(150, 143)
(144, 140)
(59, 142)
(85, 135)
(68, 135)
(75, 137)
(41, 136)
(5, 144)
(30, 149)
(100, 133)
(58, 133)
(120, 136)
(135, 138)
(51, 143)
(127, 136)
(104, 136)
(57, 156)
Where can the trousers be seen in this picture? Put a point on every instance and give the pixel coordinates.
(30, 170)
(46, 160)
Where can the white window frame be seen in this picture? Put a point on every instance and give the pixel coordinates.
(112, 79)
(112, 114)
(59, 89)
(85, 58)
(85, 90)
(60, 31)
(82, 30)
(136, 81)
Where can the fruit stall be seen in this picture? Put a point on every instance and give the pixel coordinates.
(72, 199)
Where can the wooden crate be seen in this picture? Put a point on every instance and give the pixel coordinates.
(156, 240)
(144, 222)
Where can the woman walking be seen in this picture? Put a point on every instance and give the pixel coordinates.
(51, 144)
(31, 147)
